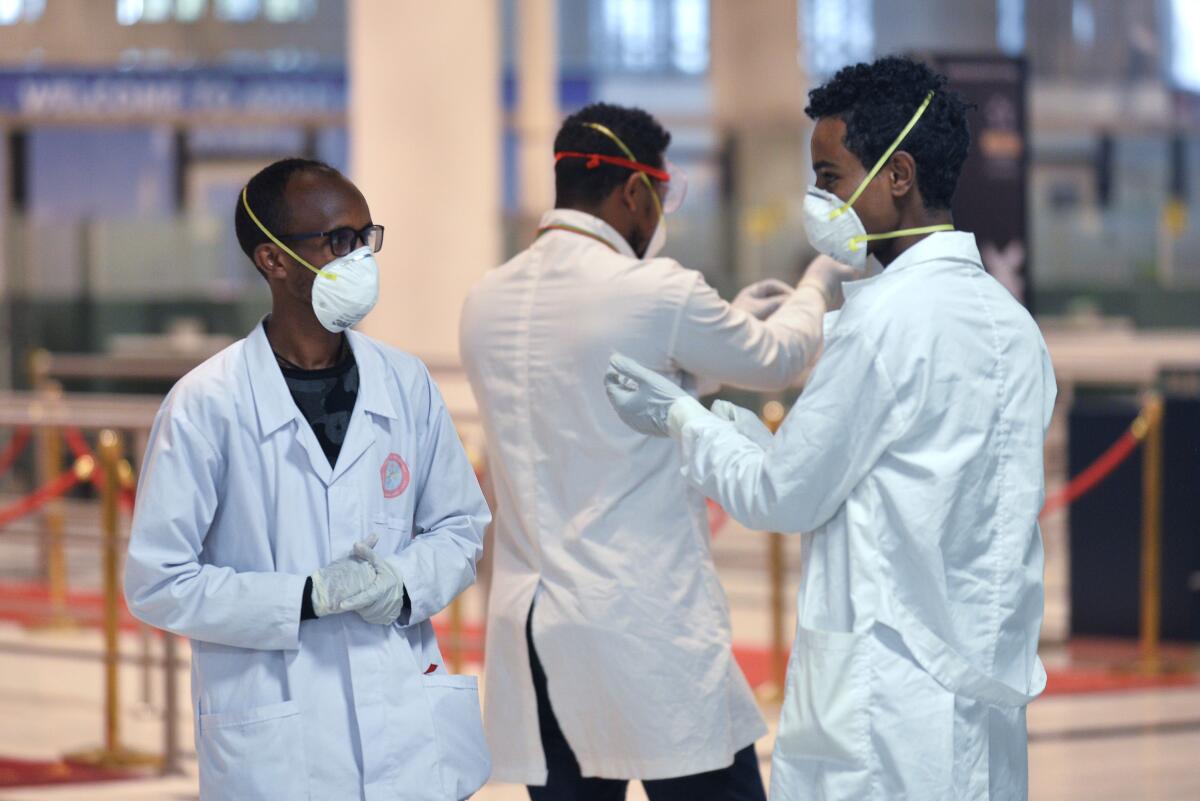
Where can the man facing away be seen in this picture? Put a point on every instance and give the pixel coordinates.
(609, 653)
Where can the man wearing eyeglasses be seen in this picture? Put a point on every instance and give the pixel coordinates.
(305, 508)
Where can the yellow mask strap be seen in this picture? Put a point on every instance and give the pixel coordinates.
(887, 154)
(275, 239)
(629, 155)
(856, 242)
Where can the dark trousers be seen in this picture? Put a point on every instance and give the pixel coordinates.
(741, 781)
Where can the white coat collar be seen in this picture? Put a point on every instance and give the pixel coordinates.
(945, 245)
(272, 400)
(956, 245)
(590, 223)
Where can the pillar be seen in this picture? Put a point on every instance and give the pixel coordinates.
(425, 134)
(537, 112)
(759, 90)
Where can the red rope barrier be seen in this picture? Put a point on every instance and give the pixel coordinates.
(80, 449)
(76, 442)
(1098, 470)
(56, 488)
(1076, 488)
(15, 447)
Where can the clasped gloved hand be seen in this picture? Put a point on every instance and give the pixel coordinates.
(340, 580)
(382, 602)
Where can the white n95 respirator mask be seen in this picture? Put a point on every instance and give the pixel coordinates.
(345, 289)
(836, 235)
(835, 230)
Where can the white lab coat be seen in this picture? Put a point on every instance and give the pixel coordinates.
(914, 458)
(631, 622)
(237, 504)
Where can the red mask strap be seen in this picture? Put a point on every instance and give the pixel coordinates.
(594, 160)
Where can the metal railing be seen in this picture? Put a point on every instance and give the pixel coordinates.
(56, 421)
(53, 416)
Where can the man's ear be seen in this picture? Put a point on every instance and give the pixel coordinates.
(902, 173)
(629, 192)
(269, 260)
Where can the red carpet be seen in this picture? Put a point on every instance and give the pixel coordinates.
(1084, 680)
(24, 773)
(1110, 665)
(1096, 666)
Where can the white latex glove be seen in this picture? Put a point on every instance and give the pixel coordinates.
(745, 421)
(641, 397)
(383, 601)
(763, 298)
(826, 276)
(340, 580)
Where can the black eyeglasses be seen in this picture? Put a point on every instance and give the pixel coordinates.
(345, 239)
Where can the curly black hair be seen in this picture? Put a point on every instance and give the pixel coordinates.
(577, 185)
(264, 193)
(877, 100)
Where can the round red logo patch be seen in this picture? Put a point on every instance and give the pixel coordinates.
(395, 476)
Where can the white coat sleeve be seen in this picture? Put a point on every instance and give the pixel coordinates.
(166, 584)
(843, 422)
(449, 519)
(721, 344)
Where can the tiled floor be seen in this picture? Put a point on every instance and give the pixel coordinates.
(1132, 746)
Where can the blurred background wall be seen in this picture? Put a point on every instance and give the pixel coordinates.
(129, 125)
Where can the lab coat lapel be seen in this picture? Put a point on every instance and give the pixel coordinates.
(316, 456)
(373, 401)
(274, 404)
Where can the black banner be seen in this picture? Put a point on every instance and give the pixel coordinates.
(990, 201)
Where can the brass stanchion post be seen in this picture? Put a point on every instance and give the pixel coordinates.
(171, 765)
(456, 623)
(53, 545)
(112, 754)
(146, 665)
(773, 413)
(110, 453)
(1151, 572)
(779, 655)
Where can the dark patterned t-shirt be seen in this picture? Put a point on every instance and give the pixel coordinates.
(326, 399)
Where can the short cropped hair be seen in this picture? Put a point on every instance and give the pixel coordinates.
(877, 100)
(577, 185)
(265, 194)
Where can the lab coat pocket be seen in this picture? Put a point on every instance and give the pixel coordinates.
(825, 709)
(465, 761)
(253, 754)
(394, 533)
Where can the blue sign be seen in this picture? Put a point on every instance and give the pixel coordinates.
(121, 94)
